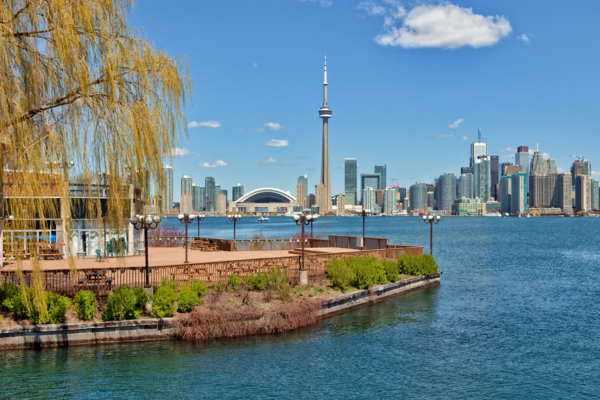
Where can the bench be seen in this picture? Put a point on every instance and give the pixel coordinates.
(96, 278)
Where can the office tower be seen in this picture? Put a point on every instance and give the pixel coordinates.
(341, 204)
(583, 193)
(185, 204)
(595, 200)
(222, 204)
(465, 185)
(522, 158)
(446, 188)
(577, 169)
(379, 197)
(224, 191)
(466, 170)
(186, 185)
(197, 197)
(505, 193)
(322, 200)
(494, 170)
(300, 199)
(552, 166)
(325, 114)
(542, 190)
(482, 179)
(503, 168)
(370, 180)
(564, 188)
(368, 200)
(402, 192)
(304, 180)
(381, 170)
(168, 194)
(202, 196)
(430, 200)
(418, 197)
(518, 197)
(513, 169)
(587, 167)
(311, 200)
(209, 187)
(350, 178)
(478, 149)
(237, 192)
(539, 166)
(389, 200)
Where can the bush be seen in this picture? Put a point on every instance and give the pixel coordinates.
(85, 305)
(368, 272)
(14, 301)
(417, 265)
(188, 299)
(391, 270)
(164, 302)
(125, 303)
(8, 290)
(199, 287)
(284, 292)
(234, 283)
(173, 283)
(57, 307)
(255, 282)
(340, 274)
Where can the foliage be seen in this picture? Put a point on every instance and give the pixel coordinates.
(125, 303)
(188, 299)
(254, 282)
(199, 287)
(15, 302)
(164, 302)
(234, 283)
(57, 307)
(417, 265)
(84, 304)
(219, 287)
(369, 271)
(24, 307)
(284, 292)
(340, 274)
(7, 291)
(391, 270)
(172, 283)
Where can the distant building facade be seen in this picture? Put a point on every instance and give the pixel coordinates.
(350, 180)
(522, 158)
(186, 185)
(186, 204)
(237, 192)
(519, 192)
(482, 179)
(168, 194)
(372, 181)
(418, 196)
(209, 200)
(381, 170)
(368, 196)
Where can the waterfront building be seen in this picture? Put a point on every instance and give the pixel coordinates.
(341, 204)
(583, 193)
(350, 180)
(522, 158)
(300, 190)
(370, 181)
(303, 179)
(595, 200)
(389, 200)
(587, 167)
(539, 166)
(325, 113)
(446, 188)
(464, 206)
(197, 197)
(264, 201)
(478, 149)
(209, 202)
(418, 197)
(224, 191)
(493, 206)
(576, 170)
(465, 186)
(466, 170)
(168, 194)
(186, 185)
(402, 192)
(186, 203)
(564, 187)
(513, 169)
(368, 200)
(237, 192)
(323, 202)
(505, 194)
(542, 190)
(494, 170)
(381, 170)
(482, 179)
(222, 204)
(518, 193)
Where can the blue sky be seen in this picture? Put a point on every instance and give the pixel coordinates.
(402, 75)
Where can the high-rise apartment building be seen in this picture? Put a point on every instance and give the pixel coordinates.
(368, 200)
(402, 192)
(381, 170)
(185, 204)
(237, 192)
(186, 185)
(564, 187)
(341, 204)
(379, 197)
(372, 181)
(595, 198)
(303, 179)
(518, 197)
(478, 149)
(522, 158)
(583, 193)
(503, 167)
(465, 186)
(446, 188)
(494, 176)
(587, 167)
(350, 180)
(222, 204)
(300, 198)
(482, 179)
(311, 200)
(168, 194)
(542, 190)
(224, 191)
(197, 197)
(389, 200)
(513, 169)
(505, 193)
(210, 199)
(418, 196)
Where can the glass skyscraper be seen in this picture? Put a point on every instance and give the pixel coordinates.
(304, 180)
(237, 192)
(482, 179)
(210, 199)
(381, 170)
(350, 178)
(186, 185)
(518, 196)
(197, 200)
(447, 191)
(370, 181)
(168, 194)
(522, 158)
(418, 196)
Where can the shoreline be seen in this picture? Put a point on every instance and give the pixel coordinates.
(151, 329)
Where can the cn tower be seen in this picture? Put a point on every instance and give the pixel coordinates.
(325, 114)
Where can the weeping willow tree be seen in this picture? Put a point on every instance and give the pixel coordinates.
(78, 84)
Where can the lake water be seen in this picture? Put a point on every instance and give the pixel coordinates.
(516, 316)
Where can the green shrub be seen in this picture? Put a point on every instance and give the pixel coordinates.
(188, 299)
(8, 290)
(219, 287)
(125, 303)
(428, 265)
(234, 283)
(199, 287)
(16, 304)
(173, 283)
(275, 278)
(391, 270)
(340, 274)
(254, 282)
(284, 292)
(85, 305)
(57, 307)
(164, 302)
(417, 265)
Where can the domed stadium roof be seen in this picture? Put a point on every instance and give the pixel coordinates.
(267, 195)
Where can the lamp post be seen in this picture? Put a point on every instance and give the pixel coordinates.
(364, 213)
(199, 218)
(313, 219)
(186, 219)
(147, 222)
(234, 218)
(303, 220)
(431, 220)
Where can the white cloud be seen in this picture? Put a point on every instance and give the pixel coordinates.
(464, 138)
(182, 152)
(525, 37)
(564, 171)
(509, 149)
(219, 163)
(595, 173)
(209, 124)
(456, 124)
(265, 163)
(546, 156)
(255, 65)
(447, 136)
(443, 26)
(324, 3)
(276, 143)
(274, 126)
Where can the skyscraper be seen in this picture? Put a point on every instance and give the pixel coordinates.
(341, 204)
(542, 190)
(237, 192)
(494, 169)
(522, 158)
(210, 199)
(197, 197)
(482, 179)
(168, 195)
(595, 193)
(465, 186)
(325, 114)
(368, 200)
(300, 198)
(447, 191)
(389, 200)
(478, 149)
(587, 167)
(505, 193)
(518, 197)
(350, 177)
(186, 185)
(577, 169)
(583, 193)
(418, 196)
(381, 169)
(303, 179)
(370, 180)
(564, 187)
